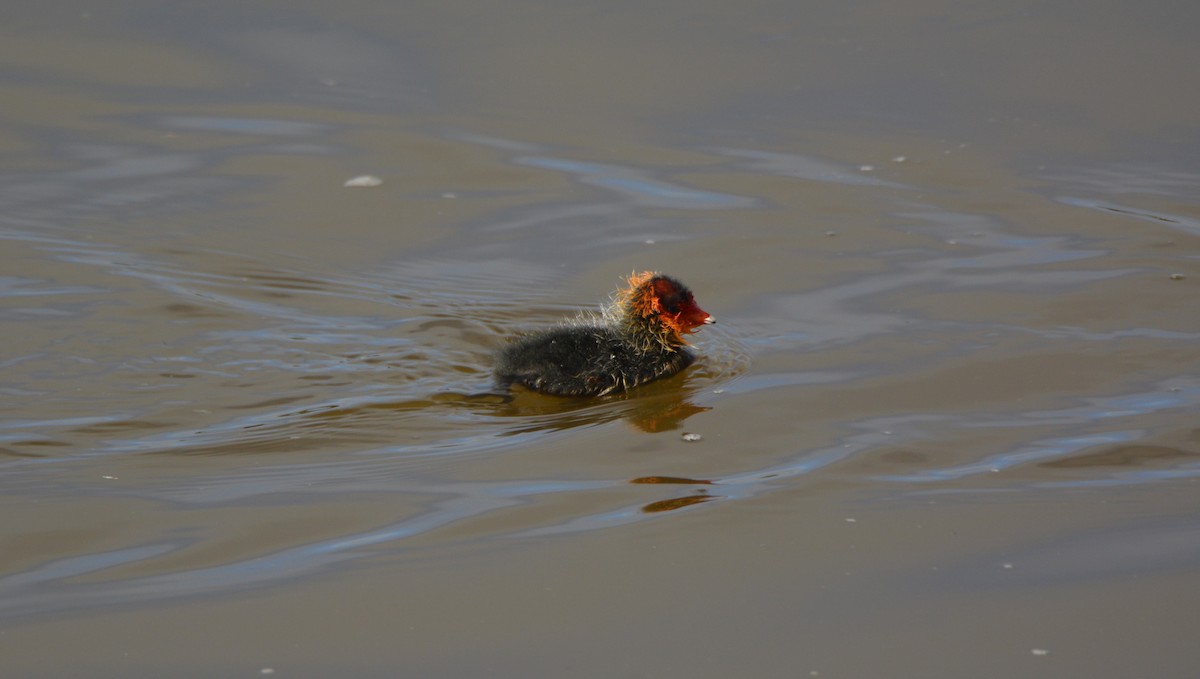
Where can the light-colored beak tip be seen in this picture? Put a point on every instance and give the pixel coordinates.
(710, 320)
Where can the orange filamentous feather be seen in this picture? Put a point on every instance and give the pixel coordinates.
(639, 308)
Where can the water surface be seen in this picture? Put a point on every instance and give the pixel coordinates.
(945, 427)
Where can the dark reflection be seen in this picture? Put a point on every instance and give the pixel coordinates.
(669, 479)
(652, 409)
(18, 448)
(191, 310)
(1122, 456)
(667, 418)
(676, 503)
(120, 426)
(12, 452)
(268, 403)
(477, 420)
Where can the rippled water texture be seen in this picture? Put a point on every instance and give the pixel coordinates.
(946, 425)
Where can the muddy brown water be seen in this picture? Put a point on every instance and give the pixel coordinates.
(947, 423)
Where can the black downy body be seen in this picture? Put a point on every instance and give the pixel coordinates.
(639, 338)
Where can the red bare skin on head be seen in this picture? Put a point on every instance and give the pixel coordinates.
(665, 304)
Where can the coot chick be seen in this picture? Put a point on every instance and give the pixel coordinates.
(638, 338)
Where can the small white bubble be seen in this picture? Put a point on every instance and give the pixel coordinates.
(1039, 652)
(687, 436)
(899, 159)
(866, 168)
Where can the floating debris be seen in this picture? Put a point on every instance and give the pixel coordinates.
(1177, 277)
(364, 181)
(691, 437)
(1039, 652)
